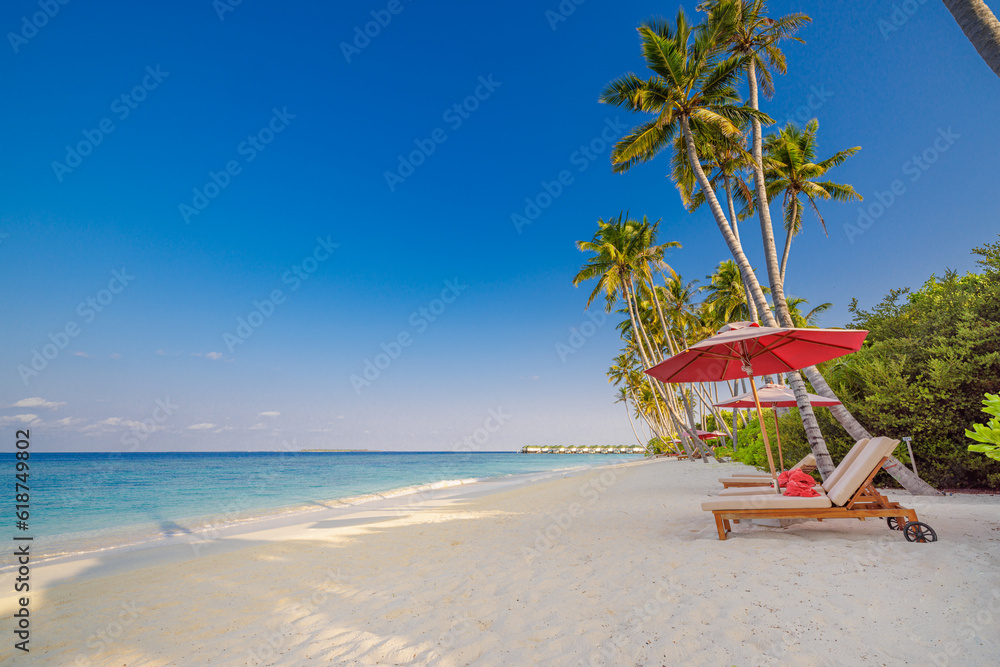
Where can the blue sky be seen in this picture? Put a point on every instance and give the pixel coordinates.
(223, 159)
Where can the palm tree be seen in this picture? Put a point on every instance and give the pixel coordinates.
(652, 304)
(623, 251)
(624, 371)
(623, 398)
(752, 37)
(809, 319)
(678, 297)
(625, 255)
(791, 171)
(725, 160)
(980, 26)
(693, 331)
(669, 320)
(691, 93)
(726, 296)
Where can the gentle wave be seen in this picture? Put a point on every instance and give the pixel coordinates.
(88, 543)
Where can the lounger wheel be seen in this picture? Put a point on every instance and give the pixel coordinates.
(893, 523)
(918, 531)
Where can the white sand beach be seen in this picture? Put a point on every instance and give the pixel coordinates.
(613, 566)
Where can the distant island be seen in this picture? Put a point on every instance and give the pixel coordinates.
(338, 450)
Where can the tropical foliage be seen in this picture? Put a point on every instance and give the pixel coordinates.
(658, 320)
(988, 434)
(661, 314)
(792, 172)
(930, 357)
(918, 352)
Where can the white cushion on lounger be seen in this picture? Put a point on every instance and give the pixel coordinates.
(858, 471)
(765, 502)
(809, 460)
(844, 464)
(755, 491)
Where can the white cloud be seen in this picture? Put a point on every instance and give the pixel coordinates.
(111, 424)
(259, 426)
(82, 354)
(201, 427)
(268, 414)
(36, 402)
(115, 355)
(340, 416)
(68, 421)
(214, 356)
(19, 419)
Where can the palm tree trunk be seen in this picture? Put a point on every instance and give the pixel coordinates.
(637, 329)
(688, 408)
(788, 240)
(763, 208)
(736, 429)
(629, 415)
(654, 351)
(656, 425)
(735, 248)
(751, 306)
(639, 332)
(813, 434)
(671, 345)
(824, 463)
(684, 437)
(691, 420)
(713, 410)
(906, 477)
(980, 26)
(732, 207)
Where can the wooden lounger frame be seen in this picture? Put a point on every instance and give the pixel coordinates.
(866, 502)
(765, 482)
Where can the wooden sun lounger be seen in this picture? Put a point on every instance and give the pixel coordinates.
(848, 495)
(837, 473)
(806, 465)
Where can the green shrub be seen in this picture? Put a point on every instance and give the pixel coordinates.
(929, 358)
(722, 452)
(793, 440)
(988, 434)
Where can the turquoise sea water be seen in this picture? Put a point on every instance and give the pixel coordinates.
(81, 502)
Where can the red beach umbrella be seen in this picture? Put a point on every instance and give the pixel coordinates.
(775, 396)
(745, 349)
